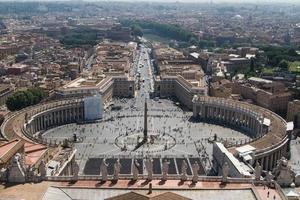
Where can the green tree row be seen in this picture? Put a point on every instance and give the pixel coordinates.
(164, 30)
(278, 56)
(136, 30)
(22, 99)
(79, 37)
(138, 27)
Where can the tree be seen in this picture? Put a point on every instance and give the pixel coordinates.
(22, 99)
(205, 44)
(136, 30)
(37, 93)
(165, 30)
(193, 41)
(252, 63)
(16, 101)
(79, 37)
(283, 64)
(292, 52)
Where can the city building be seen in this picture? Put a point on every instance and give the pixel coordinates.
(17, 69)
(221, 88)
(178, 76)
(178, 87)
(5, 91)
(93, 108)
(268, 94)
(119, 33)
(293, 113)
(107, 87)
(114, 57)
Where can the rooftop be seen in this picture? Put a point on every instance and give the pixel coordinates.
(83, 82)
(260, 80)
(33, 152)
(8, 149)
(169, 190)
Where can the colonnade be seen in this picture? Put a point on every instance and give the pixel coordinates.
(55, 117)
(231, 114)
(268, 160)
(251, 119)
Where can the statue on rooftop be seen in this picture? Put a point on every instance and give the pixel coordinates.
(103, 169)
(149, 168)
(269, 178)
(135, 169)
(30, 175)
(75, 170)
(184, 167)
(117, 169)
(283, 173)
(16, 172)
(258, 170)
(195, 168)
(165, 169)
(225, 171)
(42, 169)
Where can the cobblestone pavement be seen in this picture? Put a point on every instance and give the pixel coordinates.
(171, 130)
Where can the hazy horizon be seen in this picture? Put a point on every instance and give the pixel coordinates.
(169, 1)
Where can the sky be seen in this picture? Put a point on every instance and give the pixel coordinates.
(214, 1)
(194, 1)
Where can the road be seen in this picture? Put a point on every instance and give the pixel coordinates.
(89, 62)
(143, 76)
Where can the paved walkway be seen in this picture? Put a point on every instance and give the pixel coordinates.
(213, 189)
(26, 191)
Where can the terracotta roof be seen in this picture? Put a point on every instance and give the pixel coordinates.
(33, 153)
(30, 147)
(136, 196)
(169, 196)
(8, 149)
(129, 195)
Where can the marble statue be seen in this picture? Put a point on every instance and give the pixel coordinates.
(225, 171)
(195, 169)
(283, 173)
(16, 172)
(297, 179)
(135, 169)
(149, 168)
(75, 170)
(117, 169)
(30, 175)
(258, 170)
(3, 174)
(165, 169)
(103, 169)
(269, 177)
(184, 167)
(42, 169)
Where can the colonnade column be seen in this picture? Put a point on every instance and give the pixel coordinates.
(195, 110)
(271, 160)
(262, 162)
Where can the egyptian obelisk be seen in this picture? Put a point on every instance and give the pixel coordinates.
(145, 121)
